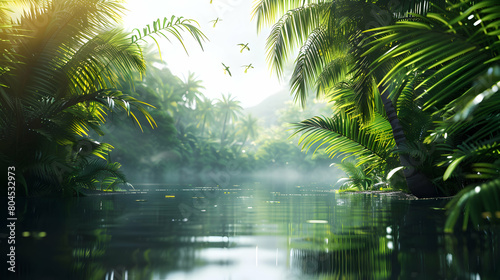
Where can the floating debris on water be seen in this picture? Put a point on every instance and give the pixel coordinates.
(317, 221)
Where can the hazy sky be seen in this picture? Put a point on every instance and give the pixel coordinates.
(235, 27)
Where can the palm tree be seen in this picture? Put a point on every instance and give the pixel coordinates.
(160, 85)
(63, 64)
(331, 58)
(190, 90)
(229, 108)
(248, 127)
(456, 53)
(344, 136)
(205, 112)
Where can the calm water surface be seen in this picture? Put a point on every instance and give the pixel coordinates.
(246, 232)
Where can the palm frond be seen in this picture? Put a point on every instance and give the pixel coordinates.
(172, 26)
(290, 31)
(479, 204)
(358, 177)
(309, 64)
(268, 11)
(343, 135)
(479, 102)
(94, 173)
(333, 73)
(467, 153)
(457, 51)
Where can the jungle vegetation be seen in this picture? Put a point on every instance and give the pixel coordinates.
(201, 140)
(62, 66)
(85, 104)
(413, 86)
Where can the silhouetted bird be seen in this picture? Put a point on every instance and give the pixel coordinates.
(215, 21)
(247, 67)
(226, 68)
(243, 47)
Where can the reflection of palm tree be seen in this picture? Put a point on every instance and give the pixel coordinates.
(248, 127)
(229, 108)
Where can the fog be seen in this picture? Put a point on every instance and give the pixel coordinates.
(278, 177)
(197, 140)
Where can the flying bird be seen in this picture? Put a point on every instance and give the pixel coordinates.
(249, 66)
(226, 69)
(215, 21)
(243, 47)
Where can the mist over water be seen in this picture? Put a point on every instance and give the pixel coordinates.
(278, 176)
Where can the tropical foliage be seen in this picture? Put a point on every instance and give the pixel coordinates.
(455, 52)
(198, 141)
(62, 64)
(358, 179)
(416, 81)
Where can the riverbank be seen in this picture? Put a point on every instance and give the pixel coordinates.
(399, 194)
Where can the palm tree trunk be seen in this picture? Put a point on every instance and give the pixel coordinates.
(244, 142)
(203, 126)
(418, 183)
(223, 130)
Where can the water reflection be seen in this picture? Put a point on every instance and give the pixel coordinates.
(247, 233)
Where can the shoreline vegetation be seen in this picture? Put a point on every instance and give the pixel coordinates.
(392, 193)
(386, 192)
(414, 96)
(413, 101)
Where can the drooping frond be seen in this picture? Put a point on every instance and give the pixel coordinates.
(173, 26)
(365, 91)
(291, 31)
(268, 11)
(309, 64)
(478, 203)
(475, 152)
(341, 95)
(334, 72)
(458, 46)
(101, 62)
(481, 101)
(343, 135)
(381, 127)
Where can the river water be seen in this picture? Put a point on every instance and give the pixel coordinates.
(246, 232)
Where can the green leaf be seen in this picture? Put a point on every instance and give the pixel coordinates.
(453, 165)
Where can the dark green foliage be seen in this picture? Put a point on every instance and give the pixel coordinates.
(358, 178)
(63, 63)
(343, 136)
(435, 63)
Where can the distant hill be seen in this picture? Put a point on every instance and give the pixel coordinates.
(267, 109)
